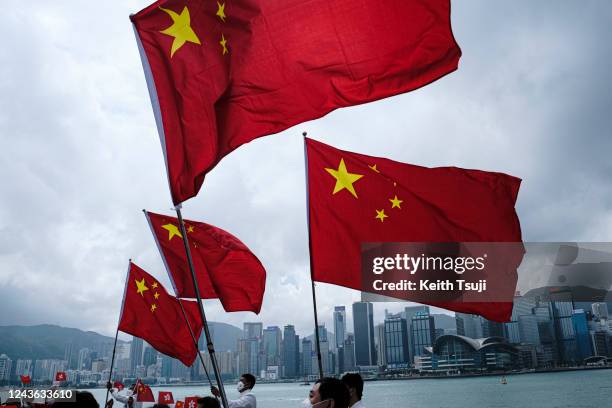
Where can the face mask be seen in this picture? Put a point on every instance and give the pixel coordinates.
(240, 386)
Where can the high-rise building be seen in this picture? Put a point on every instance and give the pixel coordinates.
(349, 352)
(307, 354)
(149, 356)
(600, 310)
(381, 351)
(24, 367)
(562, 308)
(6, 364)
(363, 323)
(252, 330)
(599, 340)
(423, 333)
(291, 349)
(408, 314)
(84, 359)
(469, 325)
(583, 338)
(396, 340)
(272, 339)
(136, 353)
(339, 325)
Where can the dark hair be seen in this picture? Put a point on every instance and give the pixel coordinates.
(209, 402)
(354, 380)
(161, 406)
(250, 378)
(84, 399)
(332, 388)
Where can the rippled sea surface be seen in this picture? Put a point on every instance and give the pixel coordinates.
(583, 389)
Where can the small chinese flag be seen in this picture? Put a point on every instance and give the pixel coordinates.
(144, 393)
(355, 199)
(165, 397)
(222, 73)
(179, 404)
(25, 379)
(60, 376)
(191, 402)
(118, 385)
(226, 268)
(150, 313)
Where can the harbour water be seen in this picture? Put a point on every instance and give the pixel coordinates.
(573, 389)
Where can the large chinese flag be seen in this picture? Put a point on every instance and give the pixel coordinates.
(150, 313)
(225, 268)
(222, 73)
(355, 199)
(144, 393)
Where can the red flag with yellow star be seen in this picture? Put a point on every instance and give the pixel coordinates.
(149, 312)
(356, 199)
(144, 393)
(221, 74)
(225, 267)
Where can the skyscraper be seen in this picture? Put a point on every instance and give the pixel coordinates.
(423, 332)
(272, 339)
(562, 307)
(252, 330)
(363, 323)
(307, 353)
(349, 352)
(600, 310)
(339, 325)
(409, 313)
(581, 330)
(291, 347)
(396, 339)
(135, 353)
(381, 351)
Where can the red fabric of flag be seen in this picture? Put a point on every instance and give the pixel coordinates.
(25, 379)
(150, 313)
(118, 385)
(221, 74)
(226, 268)
(355, 199)
(179, 404)
(191, 402)
(165, 397)
(60, 376)
(144, 393)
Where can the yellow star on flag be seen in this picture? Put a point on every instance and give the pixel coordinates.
(373, 167)
(380, 214)
(221, 11)
(190, 228)
(223, 43)
(153, 307)
(141, 286)
(344, 179)
(154, 285)
(156, 295)
(172, 231)
(395, 202)
(180, 29)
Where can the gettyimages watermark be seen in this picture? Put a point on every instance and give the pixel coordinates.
(485, 271)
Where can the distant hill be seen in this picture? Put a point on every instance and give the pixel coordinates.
(225, 336)
(48, 341)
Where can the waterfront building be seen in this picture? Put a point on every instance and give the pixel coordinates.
(468, 325)
(408, 313)
(6, 365)
(339, 318)
(307, 357)
(381, 351)
(272, 339)
(600, 310)
(135, 353)
(583, 338)
(349, 352)
(291, 357)
(452, 354)
(363, 323)
(395, 339)
(24, 367)
(423, 333)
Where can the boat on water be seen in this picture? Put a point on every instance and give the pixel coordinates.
(503, 380)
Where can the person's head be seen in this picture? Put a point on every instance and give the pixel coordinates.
(132, 387)
(248, 382)
(354, 383)
(83, 399)
(208, 402)
(161, 406)
(330, 389)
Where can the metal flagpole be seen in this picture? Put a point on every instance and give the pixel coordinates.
(209, 343)
(110, 373)
(314, 297)
(195, 342)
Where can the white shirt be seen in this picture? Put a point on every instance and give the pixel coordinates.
(246, 400)
(358, 404)
(124, 395)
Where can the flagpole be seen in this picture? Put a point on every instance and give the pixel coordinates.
(110, 373)
(209, 343)
(195, 342)
(314, 297)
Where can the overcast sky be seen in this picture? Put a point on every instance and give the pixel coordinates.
(80, 156)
